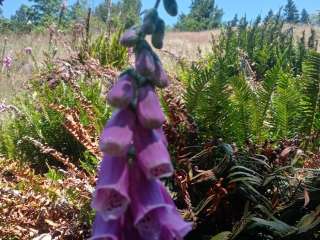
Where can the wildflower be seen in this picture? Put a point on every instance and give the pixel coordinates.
(158, 35)
(7, 61)
(130, 37)
(152, 154)
(154, 212)
(3, 107)
(105, 229)
(111, 195)
(130, 200)
(159, 132)
(28, 50)
(171, 7)
(117, 136)
(122, 92)
(149, 111)
(159, 78)
(149, 21)
(144, 63)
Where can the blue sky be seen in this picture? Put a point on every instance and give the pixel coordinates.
(251, 8)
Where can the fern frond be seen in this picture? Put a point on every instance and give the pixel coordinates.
(311, 93)
(197, 82)
(285, 106)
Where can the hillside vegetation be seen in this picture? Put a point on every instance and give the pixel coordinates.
(242, 123)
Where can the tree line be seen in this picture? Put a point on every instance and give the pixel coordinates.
(203, 15)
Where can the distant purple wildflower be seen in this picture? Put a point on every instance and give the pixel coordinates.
(7, 61)
(3, 107)
(28, 50)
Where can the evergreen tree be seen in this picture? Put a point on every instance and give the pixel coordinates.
(46, 11)
(126, 11)
(234, 21)
(22, 19)
(269, 16)
(78, 9)
(291, 13)
(130, 12)
(305, 18)
(204, 15)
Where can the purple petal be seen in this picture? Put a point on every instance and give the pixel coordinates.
(149, 111)
(172, 220)
(117, 136)
(160, 77)
(111, 197)
(129, 231)
(162, 136)
(144, 63)
(152, 154)
(103, 230)
(163, 223)
(146, 195)
(154, 213)
(122, 92)
(130, 37)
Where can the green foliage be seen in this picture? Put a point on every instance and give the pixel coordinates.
(130, 12)
(53, 174)
(305, 18)
(269, 16)
(109, 51)
(204, 15)
(253, 85)
(39, 121)
(78, 10)
(291, 12)
(248, 196)
(311, 94)
(126, 12)
(21, 21)
(45, 11)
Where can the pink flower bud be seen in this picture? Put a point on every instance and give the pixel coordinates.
(145, 64)
(117, 136)
(149, 111)
(130, 37)
(160, 77)
(122, 92)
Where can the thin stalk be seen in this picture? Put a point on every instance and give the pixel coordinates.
(157, 4)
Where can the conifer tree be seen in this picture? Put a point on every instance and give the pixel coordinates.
(204, 15)
(291, 13)
(45, 10)
(269, 16)
(305, 18)
(234, 21)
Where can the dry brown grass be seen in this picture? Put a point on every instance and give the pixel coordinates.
(24, 66)
(188, 45)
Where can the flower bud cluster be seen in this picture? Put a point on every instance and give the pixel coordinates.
(130, 200)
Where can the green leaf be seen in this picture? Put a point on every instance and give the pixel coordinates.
(222, 236)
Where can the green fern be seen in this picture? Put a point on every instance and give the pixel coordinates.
(311, 94)
(285, 107)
